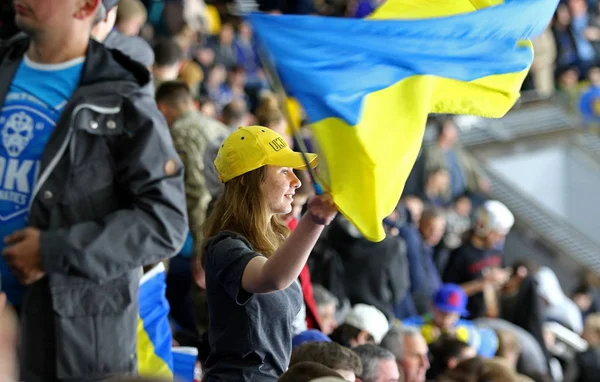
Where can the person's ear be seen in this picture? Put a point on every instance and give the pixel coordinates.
(86, 8)
(452, 363)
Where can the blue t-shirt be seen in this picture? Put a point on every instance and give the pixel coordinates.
(37, 96)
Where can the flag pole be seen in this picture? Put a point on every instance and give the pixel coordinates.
(280, 92)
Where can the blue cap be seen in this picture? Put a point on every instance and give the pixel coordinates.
(451, 298)
(311, 335)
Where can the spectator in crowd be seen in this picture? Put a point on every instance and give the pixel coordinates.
(363, 324)
(190, 71)
(224, 49)
(480, 369)
(380, 281)
(558, 306)
(307, 372)
(132, 46)
(532, 358)
(86, 237)
(458, 222)
(378, 364)
(310, 335)
(474, 265)
(192, 133)
(446, 353)
(168, 59)
(410, 349)
(235, 114)
(212, 86)
(435, 190)
(465, 173)
(247, 56)
(449, 304)
(569, 89)
(207, 107)
(336, 357)
(573, 50)
(509, 347)
(425, 279)
(326, 306)
(586, 366)
(131, 17)
(251, 269)
(234, 88)
(269, 114)
(543, 66)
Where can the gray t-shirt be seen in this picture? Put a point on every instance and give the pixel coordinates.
(250, 336)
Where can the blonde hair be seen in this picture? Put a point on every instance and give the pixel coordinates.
(268, 112)
(242, 208)
(130, 9)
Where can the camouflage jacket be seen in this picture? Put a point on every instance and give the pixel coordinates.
(192, 133)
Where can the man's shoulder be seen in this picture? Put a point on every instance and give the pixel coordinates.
(196, 125)
(134, 47)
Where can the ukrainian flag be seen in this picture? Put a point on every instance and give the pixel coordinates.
(155, 358)
(367, 85)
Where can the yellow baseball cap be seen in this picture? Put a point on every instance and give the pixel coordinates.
(251, 147)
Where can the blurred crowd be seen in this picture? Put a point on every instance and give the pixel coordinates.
(435, 300)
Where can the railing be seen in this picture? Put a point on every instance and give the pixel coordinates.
(555, 232)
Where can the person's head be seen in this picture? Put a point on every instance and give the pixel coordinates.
(236, 78)
(326, 306)
(369, 319)
(173, 99)
(226, 34)
(447, 352)
(105, 19)
(351, 336)
(205, 56)
(594, 76)
(463, 205)
(447, 132)
(168, 58)
(508, 347)
(410, 349)
(207, 106)
(68, 18)
(591, 330)
(185, 37)
(449, 303)
(255, 165)
(432, 225)
(493, 221)
(245, 30)
(216, 75)
(306, 372)
(562, 15)
(235, 113)
(131, 17)
(379, 364)
(310, 335)
(415, 206)
(437, 181)
(269, 114)
(568, 78)
(336, 357)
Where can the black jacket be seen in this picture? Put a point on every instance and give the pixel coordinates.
(107, 204)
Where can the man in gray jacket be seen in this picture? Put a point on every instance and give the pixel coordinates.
(91, 190)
